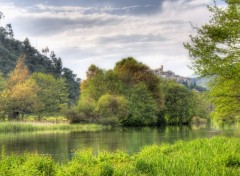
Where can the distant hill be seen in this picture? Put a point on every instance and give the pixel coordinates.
(11, 49)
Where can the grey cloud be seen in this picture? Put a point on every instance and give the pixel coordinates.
(51, 25)
(134, 38)
(120, 7)
(145, 9)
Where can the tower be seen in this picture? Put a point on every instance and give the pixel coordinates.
(161, 68)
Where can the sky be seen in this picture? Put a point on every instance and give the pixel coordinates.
(102, 32)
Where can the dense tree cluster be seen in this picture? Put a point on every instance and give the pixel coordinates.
(215, 50)
(39, 93)
(11, 49)
(131, 95)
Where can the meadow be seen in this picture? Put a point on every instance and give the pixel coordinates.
(216, 156)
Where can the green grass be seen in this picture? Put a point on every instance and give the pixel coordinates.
(6, 127)
(218, 156)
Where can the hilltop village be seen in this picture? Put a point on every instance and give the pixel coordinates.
(171, 75)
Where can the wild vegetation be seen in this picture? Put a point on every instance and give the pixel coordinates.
(15, 127)
(131, 95)
(46, 62)
(215, 51)
(216, 156)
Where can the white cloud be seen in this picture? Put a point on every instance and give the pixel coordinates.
(102, 37)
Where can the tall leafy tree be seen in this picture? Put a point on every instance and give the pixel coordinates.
(11, 49)
(20, 92)
(132, 72)
(225, 95)
(2, 82)
(180, 103)
(215, 50)
(52, 95)
(73, 85)
(142, 107)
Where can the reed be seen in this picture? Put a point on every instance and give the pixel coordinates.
(6, 127)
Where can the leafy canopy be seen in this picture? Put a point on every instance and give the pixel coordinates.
(215, 50)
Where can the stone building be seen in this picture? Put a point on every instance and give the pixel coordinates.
(171, 75)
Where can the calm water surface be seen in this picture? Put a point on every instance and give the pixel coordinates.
(61, 145)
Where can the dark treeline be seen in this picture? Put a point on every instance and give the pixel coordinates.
(131, 95)
(11, 49)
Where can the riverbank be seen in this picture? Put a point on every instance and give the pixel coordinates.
(215, 156)
(6, 127)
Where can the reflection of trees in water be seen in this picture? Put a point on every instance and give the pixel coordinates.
(130, 140)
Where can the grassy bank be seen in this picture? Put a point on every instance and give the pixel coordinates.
(6, 127)
(217, 156)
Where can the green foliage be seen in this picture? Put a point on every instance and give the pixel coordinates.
(2, 82)
(85, 108)
(215, 48)
(202, 105)
(150, 100)
(112, 109)
(19, 96)
(72, 85)
(52, 93)
(142, 107)
(27, 164)
(132, 72)
(100, 82)
(13, 127)
(181, 104)
(129, 94)
(11, 49)
(216, 156)
(225, 96)
(215, 51)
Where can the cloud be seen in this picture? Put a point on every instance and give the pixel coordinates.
(85, 32)
(52, 25)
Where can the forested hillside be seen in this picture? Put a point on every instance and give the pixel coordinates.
(11, 49)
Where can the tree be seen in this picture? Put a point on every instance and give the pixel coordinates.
(100, 82)
(2, 82)
(9, 30)
(73, 85)
(142, 107)
(112, 109)
(215, 50)
(225, 96)
(20, 92)
(132, 72)
(57, 64)
(180, 104)
(52, 95)
(85, 109)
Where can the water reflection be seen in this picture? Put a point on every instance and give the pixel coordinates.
(130, 140)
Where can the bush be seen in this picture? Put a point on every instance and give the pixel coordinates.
(111, 109)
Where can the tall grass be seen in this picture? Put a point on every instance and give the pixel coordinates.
(6, 127)
(219, 156)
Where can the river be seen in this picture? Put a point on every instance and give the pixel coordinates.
(61, 145)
